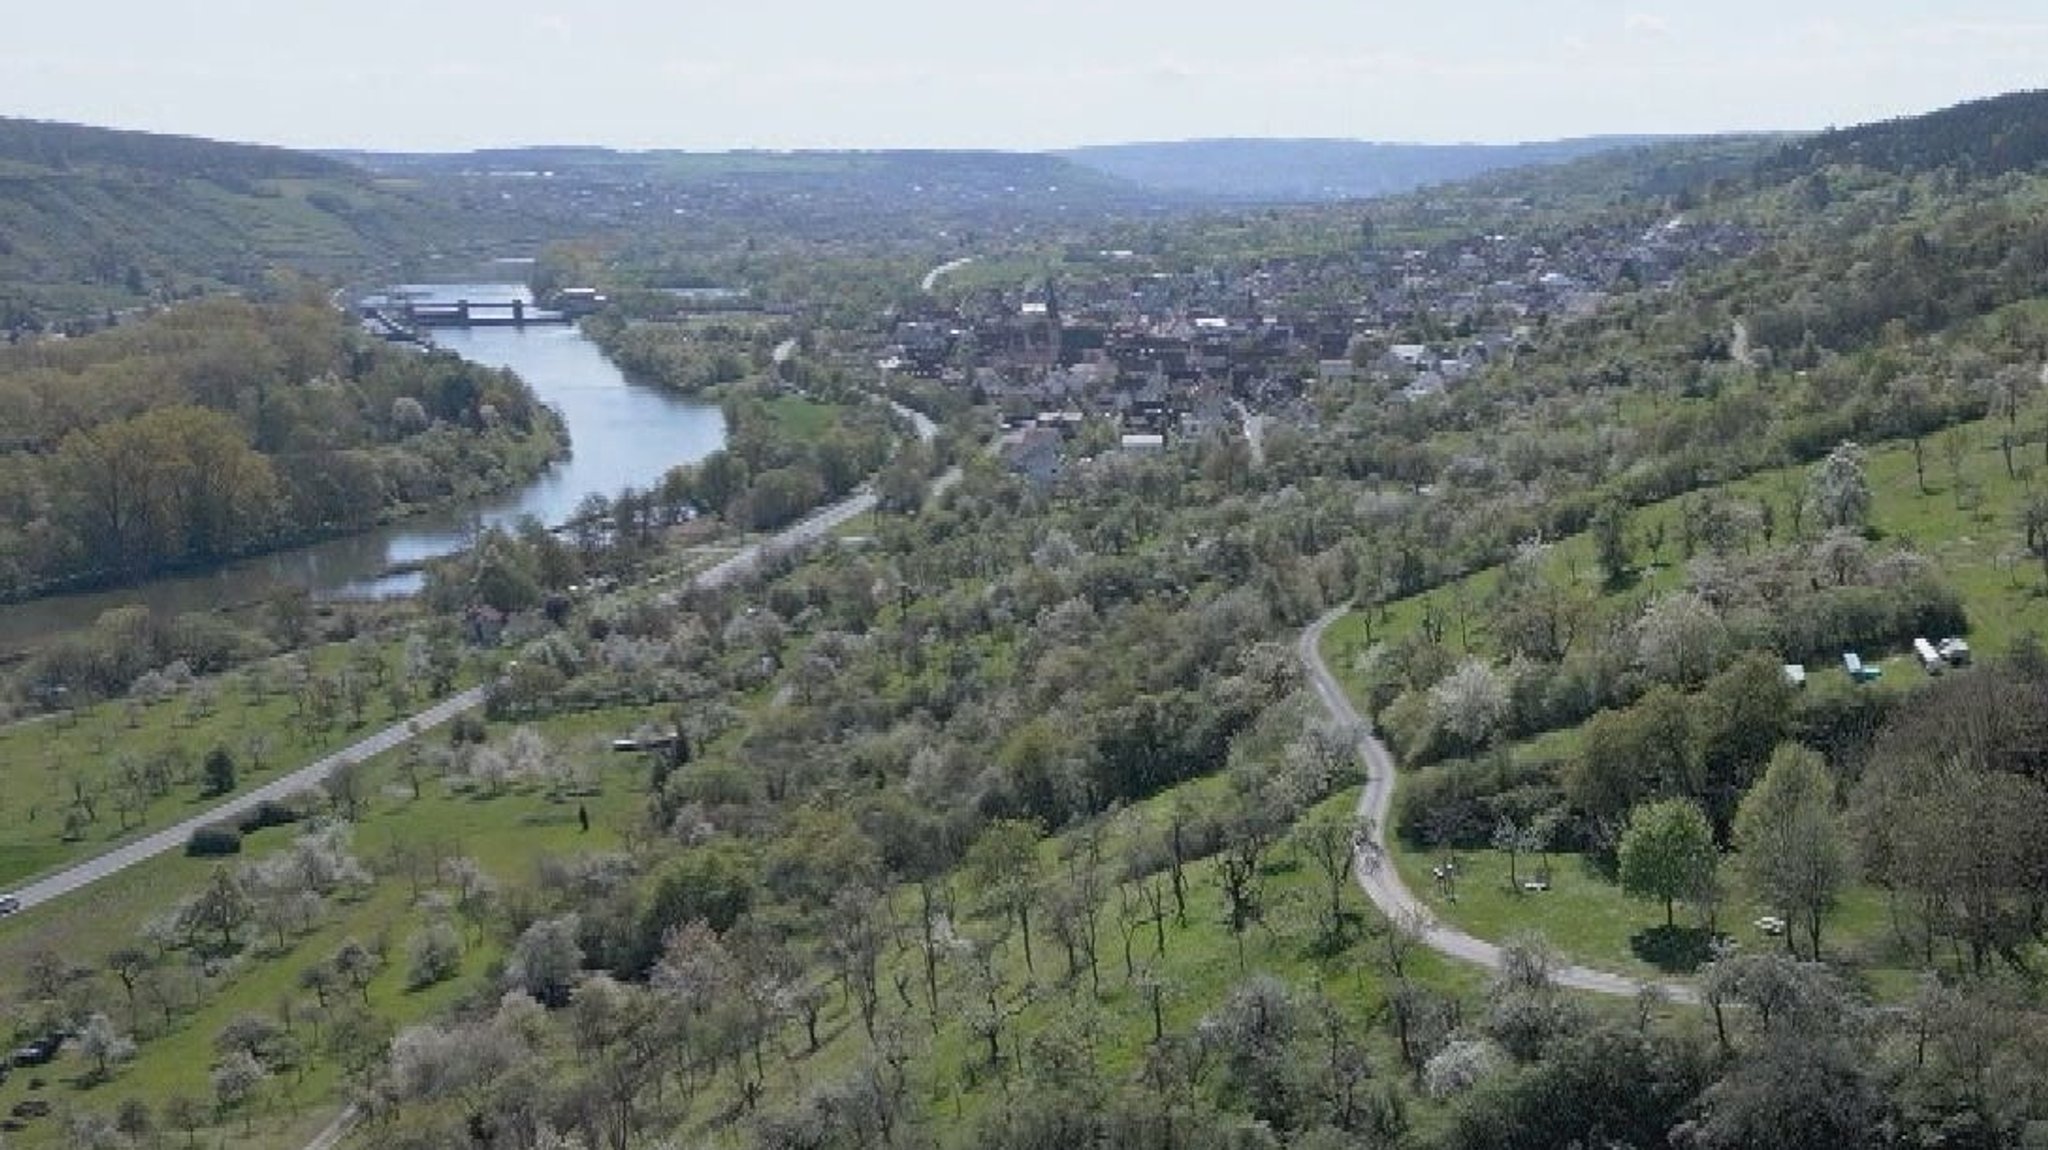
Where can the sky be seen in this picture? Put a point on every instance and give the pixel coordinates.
(446, 75)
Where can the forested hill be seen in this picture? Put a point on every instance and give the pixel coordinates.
(93, 219)
(64, 147)
(1980, 138)
(892, 170)
(847, 189)
(1321, 170)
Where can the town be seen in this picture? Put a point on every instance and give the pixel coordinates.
(1161, 356)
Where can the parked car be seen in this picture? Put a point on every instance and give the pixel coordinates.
(40, 1052)
(1956, 651)
(9, 903)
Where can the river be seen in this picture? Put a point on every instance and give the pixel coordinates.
(623, 435)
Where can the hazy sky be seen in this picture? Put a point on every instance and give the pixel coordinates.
(708, 74)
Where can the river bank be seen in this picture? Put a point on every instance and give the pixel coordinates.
(621, 435)
(521, 463)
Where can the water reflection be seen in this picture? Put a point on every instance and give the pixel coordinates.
(624, 435)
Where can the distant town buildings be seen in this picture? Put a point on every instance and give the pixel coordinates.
(1173, 356)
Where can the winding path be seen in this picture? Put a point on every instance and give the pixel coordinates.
(1382, 882)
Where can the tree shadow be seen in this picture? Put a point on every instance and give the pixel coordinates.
(1673, 949)
(1623, 580)
(1331, 940)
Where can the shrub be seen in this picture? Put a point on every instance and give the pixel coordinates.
(217, 775)
(269, 813)
(465, 728)
(213, 841)
(1458, 804)
(1459, 1067)
(433, 954)
(1817, 627)
(1410, 729)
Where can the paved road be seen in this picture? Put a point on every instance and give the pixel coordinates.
(1254, 434)
(816, 526)
(931, 278)
(305, 778)
(1382, 883)
(331, 1135)
(172, 838)
(819, 523)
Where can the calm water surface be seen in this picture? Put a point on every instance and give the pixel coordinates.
(623, 435)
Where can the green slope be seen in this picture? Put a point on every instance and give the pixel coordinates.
(92, 219)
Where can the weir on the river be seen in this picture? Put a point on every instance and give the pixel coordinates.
(475, 313)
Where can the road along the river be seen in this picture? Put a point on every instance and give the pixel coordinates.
(78, 876)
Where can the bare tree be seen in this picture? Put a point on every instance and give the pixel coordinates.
(1005, 866)
(1336, 842)
(859, 929)
(1399, 936)
(1141, 902)
(127, 964)
(935, 920)
(103, 1045)
(1240, 877)
(990, 1008)
(1076, 904)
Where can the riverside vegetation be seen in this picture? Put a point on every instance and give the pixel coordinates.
(223, 428)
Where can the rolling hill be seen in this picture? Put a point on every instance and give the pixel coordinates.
(1308, 171)
(93, 219)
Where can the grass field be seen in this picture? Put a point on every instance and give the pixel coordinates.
(1966, 519)
(507, 836)
(52, 767)
(801, 419)
(1586, 915)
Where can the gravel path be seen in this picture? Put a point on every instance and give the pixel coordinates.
(1382, 883)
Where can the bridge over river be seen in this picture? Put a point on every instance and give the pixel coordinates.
(412, 314)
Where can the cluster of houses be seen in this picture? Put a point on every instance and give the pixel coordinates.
(1179, 355)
